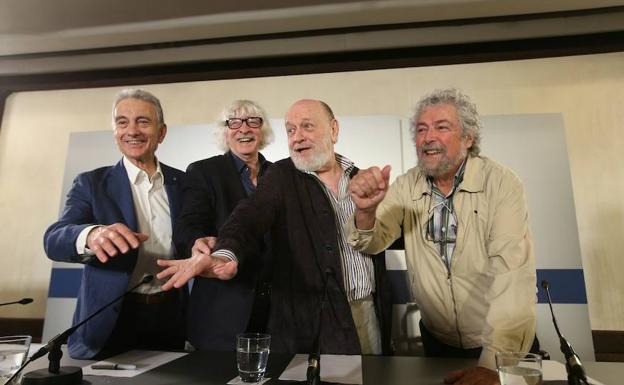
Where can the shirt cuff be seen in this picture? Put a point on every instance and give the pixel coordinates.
(224, 253)
(81, 241)
(488, 359)
(358, 239)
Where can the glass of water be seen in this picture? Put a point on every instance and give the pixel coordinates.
(515, 368)
(13, 353)
(252, 354)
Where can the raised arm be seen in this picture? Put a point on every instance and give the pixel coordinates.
(368, 188)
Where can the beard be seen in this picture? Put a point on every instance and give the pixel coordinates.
(442, 167)
(314, 163)
(322, 155)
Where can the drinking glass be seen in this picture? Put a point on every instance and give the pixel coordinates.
(252, 354)
(13, 353)
(515, 368)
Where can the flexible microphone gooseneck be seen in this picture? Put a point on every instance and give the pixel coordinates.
(71, 374)
(23, 301)
(313, 375)
(576, 373)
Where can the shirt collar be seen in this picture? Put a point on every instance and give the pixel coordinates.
(474, 178)
(459, 178)
(240, 164)
(135, 174)
(345, 163)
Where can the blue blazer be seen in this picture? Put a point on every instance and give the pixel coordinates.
(102, 196)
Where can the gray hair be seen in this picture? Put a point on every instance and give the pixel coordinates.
(238, 108)
(135, 93)
(466, 113)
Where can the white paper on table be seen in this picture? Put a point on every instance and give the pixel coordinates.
(553, 370)
(334, 368)
(143, 359)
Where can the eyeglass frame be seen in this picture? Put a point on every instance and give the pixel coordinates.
(245, 121)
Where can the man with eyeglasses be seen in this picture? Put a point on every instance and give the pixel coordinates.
(320, 285)
(218, 310)
(468, 246)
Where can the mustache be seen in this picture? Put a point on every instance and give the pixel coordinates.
(301, 147)
(432, 147)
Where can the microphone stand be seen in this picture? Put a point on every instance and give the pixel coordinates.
(313, 374)
(574, 368)
(55, 374)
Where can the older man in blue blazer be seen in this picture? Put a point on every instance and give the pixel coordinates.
(118, 221)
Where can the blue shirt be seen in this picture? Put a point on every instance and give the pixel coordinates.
(244, 171)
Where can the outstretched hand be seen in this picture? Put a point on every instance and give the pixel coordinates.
(180, 271)
(204, 245)
(109, 241)
(201, 263)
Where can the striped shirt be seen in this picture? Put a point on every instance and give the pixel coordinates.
(358, 271)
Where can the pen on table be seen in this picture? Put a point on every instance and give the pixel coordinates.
(114, 366)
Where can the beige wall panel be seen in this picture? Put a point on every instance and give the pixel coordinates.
(587, 90)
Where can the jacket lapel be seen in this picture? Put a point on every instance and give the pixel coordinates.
(231, 174)
(172, 188)
(118, 188)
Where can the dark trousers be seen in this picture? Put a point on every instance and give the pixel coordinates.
(435, 348)
(149, 326)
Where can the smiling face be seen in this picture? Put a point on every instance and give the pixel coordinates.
(440, 143)
(244, 142)
(138, 131)
(312, 133)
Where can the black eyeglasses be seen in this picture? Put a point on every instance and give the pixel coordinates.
(252, 122)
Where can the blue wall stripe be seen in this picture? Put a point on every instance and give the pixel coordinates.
(64, 283)
(566, 285)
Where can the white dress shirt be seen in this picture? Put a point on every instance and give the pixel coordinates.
(151, 206)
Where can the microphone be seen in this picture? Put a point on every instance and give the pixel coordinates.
(23, 301)
(70, 374)
(313, 374)
(574, 368)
